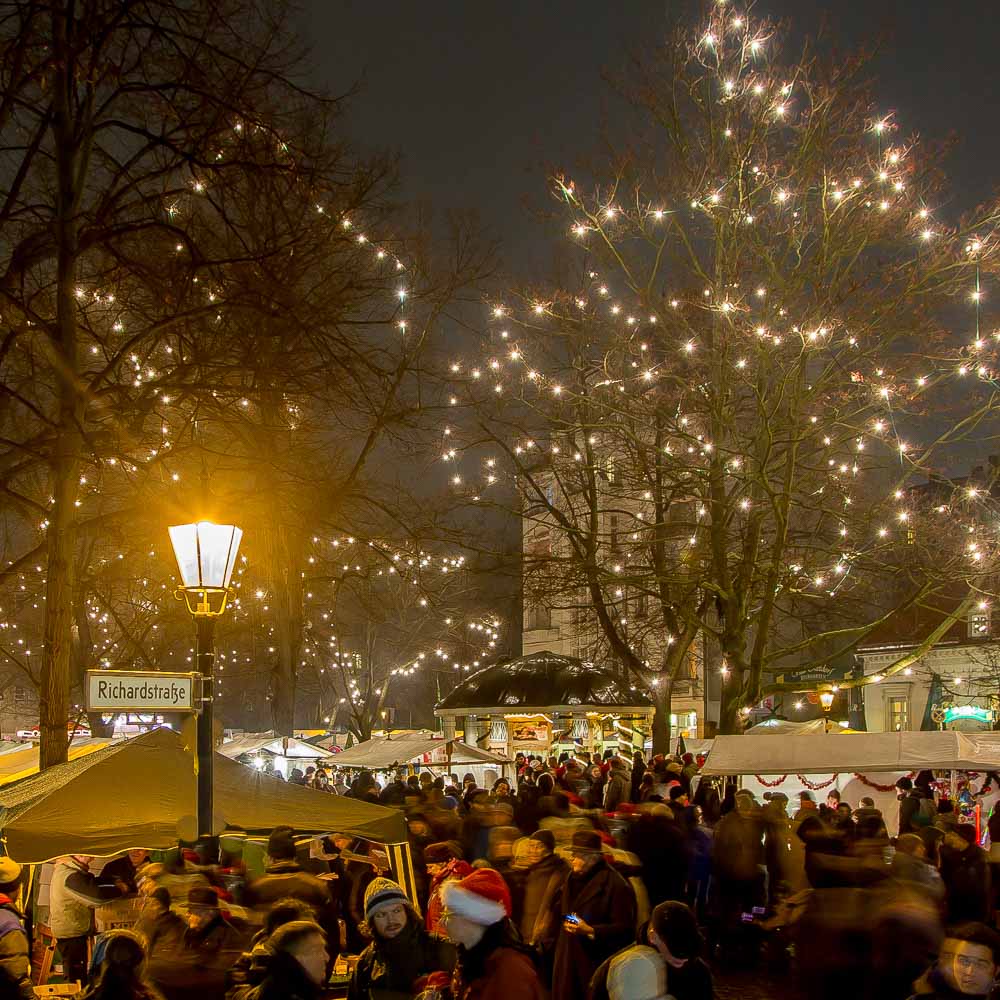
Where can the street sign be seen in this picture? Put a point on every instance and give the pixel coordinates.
(131, 691)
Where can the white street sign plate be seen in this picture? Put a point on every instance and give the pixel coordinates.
(131, 691)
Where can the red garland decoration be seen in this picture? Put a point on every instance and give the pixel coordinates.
(815, 786)
(876, 785)
(770, 784)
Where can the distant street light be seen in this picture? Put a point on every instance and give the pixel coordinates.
(826, 700)
(206, 555)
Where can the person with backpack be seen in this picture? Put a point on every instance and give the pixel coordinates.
(15, 970)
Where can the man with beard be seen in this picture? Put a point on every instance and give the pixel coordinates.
(967, 965)
(598, 908)
(401, 952)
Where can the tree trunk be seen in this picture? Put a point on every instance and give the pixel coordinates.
(284, 547)
(64, 461)
(731, 703)
(661, 717)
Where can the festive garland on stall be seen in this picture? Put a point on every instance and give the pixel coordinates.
(876, 785)
(814, 786)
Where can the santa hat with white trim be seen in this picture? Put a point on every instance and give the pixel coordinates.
(482, 897)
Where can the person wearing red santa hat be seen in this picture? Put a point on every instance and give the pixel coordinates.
(493, 964)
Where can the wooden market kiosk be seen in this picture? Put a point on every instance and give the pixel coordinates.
(546, 701)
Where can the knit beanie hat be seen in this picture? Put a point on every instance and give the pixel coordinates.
(380, 892)
(482, 897)
(639, 973)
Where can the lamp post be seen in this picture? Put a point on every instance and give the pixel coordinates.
(826, 700)
(206, 555)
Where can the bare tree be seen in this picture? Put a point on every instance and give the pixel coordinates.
(767, 337)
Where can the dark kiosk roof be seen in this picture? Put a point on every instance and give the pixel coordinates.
(541, 680)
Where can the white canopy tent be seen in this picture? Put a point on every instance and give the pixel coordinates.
(287, 752)
(856, 764)
(870, 753)
(423, 747)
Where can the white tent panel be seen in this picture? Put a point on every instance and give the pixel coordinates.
(869, 753)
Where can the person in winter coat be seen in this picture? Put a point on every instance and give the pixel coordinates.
(197, 962)
(536, 885)
(121, 973)
(672, 939)
(15, 966)
(493, 964)
(253, 966)
(965, 871)
(619, 786)
(296, 964)
(444, 863)
(599, 915)
(402, 952)
(284, 877)
(73, 896)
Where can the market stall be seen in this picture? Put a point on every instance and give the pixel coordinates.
(140, 793)
(21, 761)
(279, 753)
(856, 764)
(544, 703)
(422, 749)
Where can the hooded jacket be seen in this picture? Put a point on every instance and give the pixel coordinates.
(15, 970)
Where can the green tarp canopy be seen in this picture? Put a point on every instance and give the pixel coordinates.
(142, 793)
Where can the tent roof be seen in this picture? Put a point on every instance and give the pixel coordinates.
(543, 682)
(23, 762)
(869, 753)
(141, 793)
(388, 751)
(783, 727)
(269, 743)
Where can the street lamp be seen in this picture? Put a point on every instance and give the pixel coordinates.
(826, 700)
(206, 555)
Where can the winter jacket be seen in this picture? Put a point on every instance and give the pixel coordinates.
(387, 970)
(285, 879)
(536, 893)
(284, 979)
(693, 981)
(617, 790)
(15, 970)
(69, 915)
(605, 901)
(492, 971)
(966, 876)
(195, 963)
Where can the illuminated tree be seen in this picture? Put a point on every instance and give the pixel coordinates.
(768, 334)
(183, 298)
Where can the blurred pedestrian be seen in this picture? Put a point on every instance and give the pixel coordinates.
(493, 963)
(15, 967)
(121, 970)
(598, 908)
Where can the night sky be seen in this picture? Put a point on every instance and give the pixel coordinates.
(479, 97)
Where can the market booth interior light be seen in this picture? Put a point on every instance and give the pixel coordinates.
(206, 556)
(826, 700)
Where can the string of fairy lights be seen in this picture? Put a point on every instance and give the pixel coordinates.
(149, 370)
(650, 341)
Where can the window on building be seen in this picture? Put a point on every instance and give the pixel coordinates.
(613, 532)
(979, 623)
(537, 616)
(898, 712)
(641, 604)
(612, 470)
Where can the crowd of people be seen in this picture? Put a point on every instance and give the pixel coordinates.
(578, 877)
